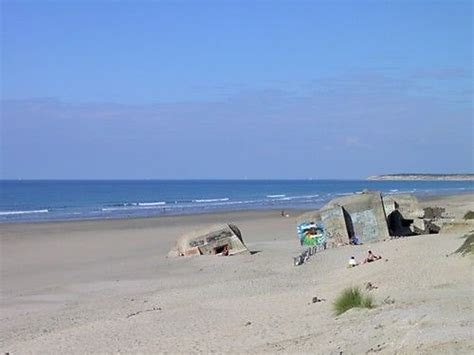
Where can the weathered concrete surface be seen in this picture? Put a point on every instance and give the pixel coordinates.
(211, 241)
(406, 204)
(365, 216)
(368, 217)
(419, 225)
(359, 215)
(406, 217)
(335, 223)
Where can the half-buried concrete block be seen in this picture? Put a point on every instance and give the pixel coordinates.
(223, 239)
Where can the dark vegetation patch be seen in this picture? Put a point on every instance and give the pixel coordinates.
(469, 215)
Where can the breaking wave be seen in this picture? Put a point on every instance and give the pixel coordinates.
(161, 203)
(275, 196)
(133, 206)
(211, 200)
(9, 213)
(125, 204)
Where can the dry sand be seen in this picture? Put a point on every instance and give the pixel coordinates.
(107, 286)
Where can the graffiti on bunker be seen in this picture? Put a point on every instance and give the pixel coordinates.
(311, 234)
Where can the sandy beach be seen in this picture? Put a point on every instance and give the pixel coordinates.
(108, 286)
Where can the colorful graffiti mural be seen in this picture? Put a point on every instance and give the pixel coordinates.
(311, 234)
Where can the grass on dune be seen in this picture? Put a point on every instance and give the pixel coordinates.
(468, 246)
(352, 297)
(469, 215)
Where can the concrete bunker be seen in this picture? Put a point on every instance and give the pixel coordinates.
(223, 239)
(363, 218)
(405, 217)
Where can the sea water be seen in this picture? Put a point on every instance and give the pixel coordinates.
(34, 200)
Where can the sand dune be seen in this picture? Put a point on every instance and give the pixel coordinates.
(107, 286)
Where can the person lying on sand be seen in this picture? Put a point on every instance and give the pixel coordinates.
(371, 257)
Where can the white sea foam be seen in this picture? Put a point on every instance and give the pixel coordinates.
(306, 197)
(211, 200)
(302, 197)
(161, 203)
(275, 196)
(133, 206)
(8, 213)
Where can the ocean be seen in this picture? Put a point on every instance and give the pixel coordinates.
(50, 200)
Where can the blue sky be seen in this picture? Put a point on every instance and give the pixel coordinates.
(234, 89)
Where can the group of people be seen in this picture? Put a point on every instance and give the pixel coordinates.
(370, 258)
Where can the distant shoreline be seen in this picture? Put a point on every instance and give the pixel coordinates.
(424, 177)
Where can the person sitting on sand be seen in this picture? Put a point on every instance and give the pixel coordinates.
(355, 240)
(371, 257)
(352, 262)
(225, 251)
